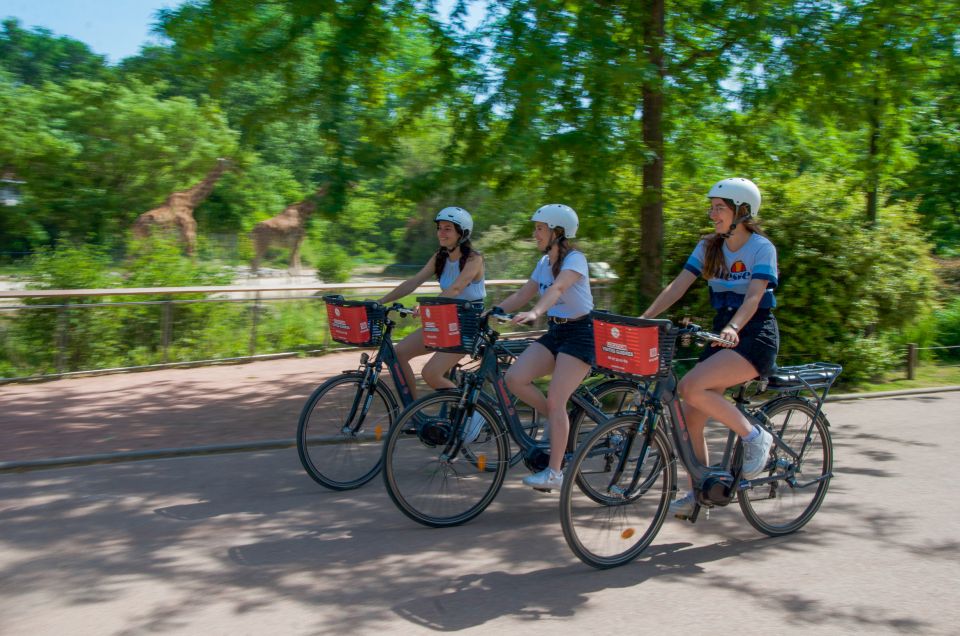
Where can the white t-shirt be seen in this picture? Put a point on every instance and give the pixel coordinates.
(577, 300)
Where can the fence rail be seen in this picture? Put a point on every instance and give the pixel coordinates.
(257, 300)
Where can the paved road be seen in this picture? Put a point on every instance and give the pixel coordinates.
(246, 544)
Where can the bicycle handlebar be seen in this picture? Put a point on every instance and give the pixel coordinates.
(701, 334)
(400, 309)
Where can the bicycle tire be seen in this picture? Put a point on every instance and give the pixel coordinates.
(429, 487)
(610, 531)
(330, 452)
(785, 504)
(615, 397)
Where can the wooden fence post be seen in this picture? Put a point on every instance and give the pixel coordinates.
(911, 360)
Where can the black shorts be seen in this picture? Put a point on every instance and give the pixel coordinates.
(572, 338)
(759, 340)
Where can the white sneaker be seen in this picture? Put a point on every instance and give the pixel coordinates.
(472, 428)
(546, 479)
(682, 507)
(756, 454)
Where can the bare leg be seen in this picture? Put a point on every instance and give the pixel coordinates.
(535, 362)
(407, 349)
(435, 368)
(702, 393)
(568, 373)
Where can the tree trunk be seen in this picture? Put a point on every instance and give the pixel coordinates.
(651, 204)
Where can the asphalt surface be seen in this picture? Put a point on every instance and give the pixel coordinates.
(246, 543)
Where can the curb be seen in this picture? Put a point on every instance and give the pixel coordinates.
(886, 394)
(132, 456)
(241, 447)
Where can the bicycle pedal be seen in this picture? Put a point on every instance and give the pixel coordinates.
(547, 490)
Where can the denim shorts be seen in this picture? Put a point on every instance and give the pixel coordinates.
(759, 339)
(572, 338)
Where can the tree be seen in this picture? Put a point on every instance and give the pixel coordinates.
(37, 56)
(106, 153)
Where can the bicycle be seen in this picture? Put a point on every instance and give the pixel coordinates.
(440, 471)
(344, 420)
(622, 479)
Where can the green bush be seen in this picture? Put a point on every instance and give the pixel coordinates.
(948, 330)
(334, 264)
(846, 289)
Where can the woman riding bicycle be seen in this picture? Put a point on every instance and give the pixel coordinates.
(566, 350)
(740, 266)
(459, 270)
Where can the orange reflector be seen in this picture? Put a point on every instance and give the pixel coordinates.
(378, 431)
(481, 462)
(626, 534)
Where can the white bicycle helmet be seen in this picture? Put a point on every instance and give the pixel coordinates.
(558, 215)
(738, 190)
(459, 217)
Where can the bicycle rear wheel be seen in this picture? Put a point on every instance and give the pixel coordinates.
(619, 494)
(796, 486)
(341, 428)
(431, 487)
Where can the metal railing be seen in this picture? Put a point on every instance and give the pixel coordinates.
(257, 300)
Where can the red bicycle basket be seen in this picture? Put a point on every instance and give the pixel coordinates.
(631, 347)
(449, 324)
(353, 322)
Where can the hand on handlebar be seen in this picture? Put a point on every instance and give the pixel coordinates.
(524, 316)
(730, 338)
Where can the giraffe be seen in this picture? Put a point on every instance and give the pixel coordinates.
(177, 211)
(287, 228)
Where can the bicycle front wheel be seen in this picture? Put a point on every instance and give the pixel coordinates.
(616, 492)
(428, 484)
(341, 431)
(794, 486)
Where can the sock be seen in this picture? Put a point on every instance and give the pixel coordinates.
(752, 436)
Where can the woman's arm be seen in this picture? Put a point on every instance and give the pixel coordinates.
(755, 293)
(471, 270)
(562, 283)
(670, 294)
(520, 297)
(408, 286)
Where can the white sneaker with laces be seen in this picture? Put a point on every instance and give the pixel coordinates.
(682, 507)
(473, 427)
(546, 479)
(756, 454)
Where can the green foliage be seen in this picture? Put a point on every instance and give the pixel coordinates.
(948, 330)
(37, 56)
(333, 264)
(845, 287)
(106, 153)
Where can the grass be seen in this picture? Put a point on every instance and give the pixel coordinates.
(927, 375)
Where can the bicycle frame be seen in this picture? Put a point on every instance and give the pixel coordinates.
(489, 371)
(663, 400)
(386, 355)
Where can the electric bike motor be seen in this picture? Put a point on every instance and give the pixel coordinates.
(536, 459)
(716, 489)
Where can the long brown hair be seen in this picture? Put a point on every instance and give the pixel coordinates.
(564, 247)
(715, 265)
(440, 259)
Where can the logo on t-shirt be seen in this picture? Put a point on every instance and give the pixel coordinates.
(738, 271)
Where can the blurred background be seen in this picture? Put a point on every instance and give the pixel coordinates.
(360, 119)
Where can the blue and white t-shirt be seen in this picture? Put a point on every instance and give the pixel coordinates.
(474, 291)
(756, 259)
(577, 300)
